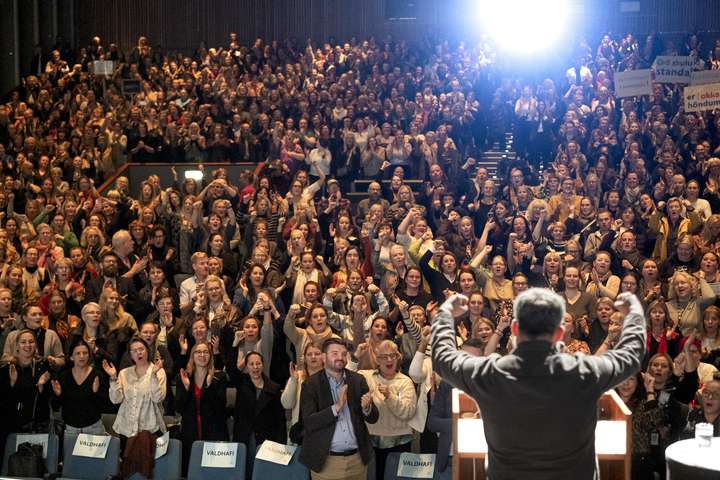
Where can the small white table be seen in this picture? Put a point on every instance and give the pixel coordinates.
(686, 460)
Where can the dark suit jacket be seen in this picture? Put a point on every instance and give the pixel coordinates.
(125, 288)
(319, 422)
(262, 415)
(539, 407)
(440, 421)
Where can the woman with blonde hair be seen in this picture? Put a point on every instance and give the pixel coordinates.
(121, 326)
(394, 395)
(48, 251)
(709, 237)
(93, 242)
(535, 210)
(551, 275)
(688, 298)
(24, 389)
(290, 397)
(600, 281)
(214, 304)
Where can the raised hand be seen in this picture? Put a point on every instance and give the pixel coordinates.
(293, 371)
(183, 341)
(109, 369)
(458, 303)
(240, 360)
(57, 389)
(44, 378)
(649, 382)
(383, 389)
(185, 379)
(12, 371)
(365, 401)
(627, 302)
(157, 365)
(342, 399)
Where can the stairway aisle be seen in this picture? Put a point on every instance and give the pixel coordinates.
(493, 158)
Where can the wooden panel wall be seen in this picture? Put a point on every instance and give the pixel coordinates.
(183, 24)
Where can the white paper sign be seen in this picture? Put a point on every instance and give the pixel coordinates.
(702, 97)
(33, 438)
(219, 455)
(413, 465)
(161, 445)
(673, 69)
(103, 67)
(633, 83)
(92, 446)
(275, 452)
(703, 77)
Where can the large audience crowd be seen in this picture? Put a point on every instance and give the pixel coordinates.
(156, 304)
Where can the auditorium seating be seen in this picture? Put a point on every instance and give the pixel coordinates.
(51, 461)
(391, 468)
(197, 472)
(84, 468)
(263, 470)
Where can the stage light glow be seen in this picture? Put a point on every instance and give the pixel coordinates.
(524, 26)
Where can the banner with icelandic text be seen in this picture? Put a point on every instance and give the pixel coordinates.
(633, 83)
(673, 68)
(701, 98)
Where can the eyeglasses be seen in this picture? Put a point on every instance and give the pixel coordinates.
(137, 350)
(386, 357)
(709, 394)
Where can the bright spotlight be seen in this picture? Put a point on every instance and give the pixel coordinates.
(524, 26)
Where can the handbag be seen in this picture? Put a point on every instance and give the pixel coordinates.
(297, 432)
(27, 461)
(139, 455)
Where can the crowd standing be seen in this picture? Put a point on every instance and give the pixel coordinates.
(277, 285)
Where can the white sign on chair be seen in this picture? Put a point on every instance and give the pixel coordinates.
(413, 465)
(219, 455)
(161, 445)
(91, 446)
(275, 452)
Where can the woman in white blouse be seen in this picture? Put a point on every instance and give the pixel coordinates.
(140, 391)
(290, 397)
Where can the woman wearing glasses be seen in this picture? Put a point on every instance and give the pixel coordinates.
(394, 395)
(200, 400)
(139, 390)
(707, 412)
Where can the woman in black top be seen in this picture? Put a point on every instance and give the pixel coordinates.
(81, 392)
(24, 395)
(200, 399)
(410, 291)
(446, 275)
(259, 415)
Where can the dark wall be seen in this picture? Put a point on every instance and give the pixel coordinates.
(183, 24)
(7, 46)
